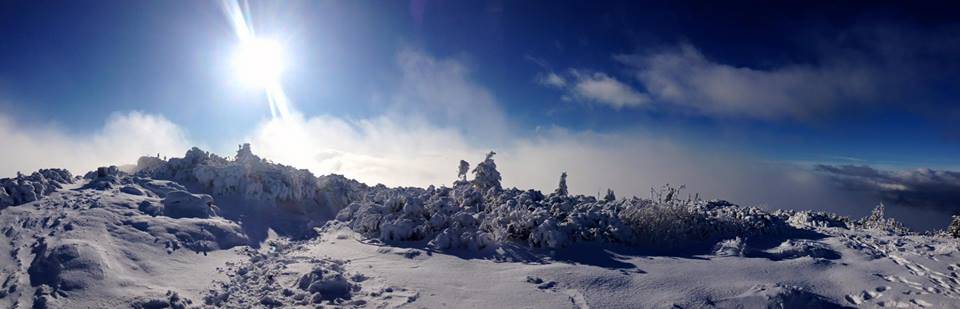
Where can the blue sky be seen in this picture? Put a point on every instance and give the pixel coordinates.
(798, 85)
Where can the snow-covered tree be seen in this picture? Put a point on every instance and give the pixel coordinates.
(878, 220)
(610, 197)
(463, 170)
(954, 228)
(486, 175)
(562, 187)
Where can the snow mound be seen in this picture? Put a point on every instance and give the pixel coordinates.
(777, 296)
(326, 282)
(25, 189)
(66, 267)
(171, 300)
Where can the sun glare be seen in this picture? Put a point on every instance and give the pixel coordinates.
(259, 62)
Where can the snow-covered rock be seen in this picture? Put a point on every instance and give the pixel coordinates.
(180, 204)
(29, 188)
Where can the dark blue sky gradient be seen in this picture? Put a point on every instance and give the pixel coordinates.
(73, 63)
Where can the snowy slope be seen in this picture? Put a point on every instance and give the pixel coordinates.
(207, 231)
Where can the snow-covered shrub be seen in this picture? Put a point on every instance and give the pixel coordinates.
(954, 229)
(878, 220)
(327, 282)
(814, 219)
(678, 222)
(479, 214)
(795, 248)
(29, 188)
(730, 247)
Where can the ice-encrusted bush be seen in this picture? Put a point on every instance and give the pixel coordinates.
(878, 220)
(28, 188)
(814, 219)
(675, 222)
(486, 175)
(730, 247)
(478, 213)
(954, 228)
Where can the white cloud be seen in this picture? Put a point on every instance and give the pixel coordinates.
(551, 79)
(601, 88)
(414, 153)
(596, 87)
(122, 140)
(379, 150)
(685, 77)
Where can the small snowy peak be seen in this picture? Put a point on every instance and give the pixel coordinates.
(256, 185)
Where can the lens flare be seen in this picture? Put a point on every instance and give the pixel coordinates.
(258, 62)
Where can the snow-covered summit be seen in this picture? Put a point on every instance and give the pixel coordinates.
(209, 231)
(254, 184)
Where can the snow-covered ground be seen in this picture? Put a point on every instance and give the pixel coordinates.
(206, 231)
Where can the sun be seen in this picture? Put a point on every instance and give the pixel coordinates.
(259, 62)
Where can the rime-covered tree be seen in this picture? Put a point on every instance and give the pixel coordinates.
(485, 175)
(562, 187)
(878, 220)
(463, 170)
(610, 197)
(954, 228)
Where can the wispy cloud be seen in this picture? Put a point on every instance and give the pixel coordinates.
(441, 92)
(551, 79)
(684, 77)
(602, 88)
(123, 138)
(594, 87)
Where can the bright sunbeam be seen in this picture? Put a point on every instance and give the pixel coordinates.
(257, 62)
